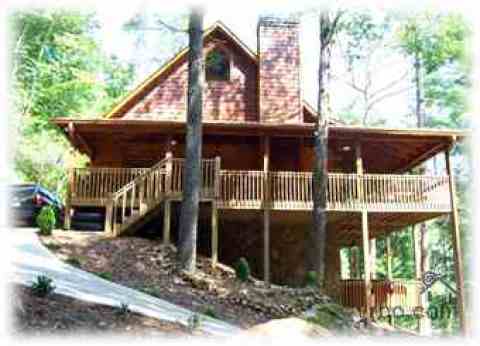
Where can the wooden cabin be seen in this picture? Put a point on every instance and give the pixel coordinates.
(257, 167)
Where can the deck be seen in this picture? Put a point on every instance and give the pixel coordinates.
(233, 189)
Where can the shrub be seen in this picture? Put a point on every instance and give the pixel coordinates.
(210, 312)
(153, 291)
(123, 310)
(242, 269)
(43, 286)
(52, 246)
(311, 278)
(106, 275)
(46, 220)
(74, 261)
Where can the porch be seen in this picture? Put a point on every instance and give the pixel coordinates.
(286, 190)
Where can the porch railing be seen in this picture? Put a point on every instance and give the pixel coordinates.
(397, 295)
(94, 185)
(278, 190)
(345, 192)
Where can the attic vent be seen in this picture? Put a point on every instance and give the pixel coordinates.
(217, 66)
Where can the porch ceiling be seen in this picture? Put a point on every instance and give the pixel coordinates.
(383, 150)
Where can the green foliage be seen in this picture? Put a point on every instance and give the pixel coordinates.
(242, 269)
(46, 220)
(311, 278)
(57, 69)
(210, 312)
(106, 275)
(74, 261)
(123, 311)
(43, 286)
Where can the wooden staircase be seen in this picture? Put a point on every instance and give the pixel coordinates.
(136, 202)
(141, 199)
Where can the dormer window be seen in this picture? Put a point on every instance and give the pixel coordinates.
(217, 66)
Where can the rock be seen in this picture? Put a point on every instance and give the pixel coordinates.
(288, 327)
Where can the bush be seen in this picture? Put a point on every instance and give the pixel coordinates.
(242, 269)
(311, 278)
(46, 220)
(123, 310)
(43, 286)
(106, 275)
(211, 312)
(74, 261)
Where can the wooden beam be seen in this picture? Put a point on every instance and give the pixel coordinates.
(266, 212)
(457, 251)
(424, 156)
(79, 141)
(366, 263)
(388, 246)
(373, 258)
(214, 240)
(166, 221)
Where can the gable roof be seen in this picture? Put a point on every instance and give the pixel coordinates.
(150, 82)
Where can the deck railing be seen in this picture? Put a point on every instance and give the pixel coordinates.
(345, 192)
(278, 190)
(397, 295)
(92, 186)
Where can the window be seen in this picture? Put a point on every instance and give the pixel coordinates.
(217, 66)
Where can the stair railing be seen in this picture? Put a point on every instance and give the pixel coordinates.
(137, 197)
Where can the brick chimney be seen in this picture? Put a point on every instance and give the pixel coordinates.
(279, 71)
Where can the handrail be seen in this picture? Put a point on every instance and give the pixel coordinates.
(140, 177)
(294, 191)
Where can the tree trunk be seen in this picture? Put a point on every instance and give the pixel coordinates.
(193, 150)
(316, 238)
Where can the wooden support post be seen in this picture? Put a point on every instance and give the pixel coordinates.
(168, 188)
(169, 170)
(388, 253)
(366, 263)
(389, 257)
(373, 258)
(68, 201)
(166, 221)
(457, 251)
(266, 212)
(108, 218)
(214, 234)
(216, 196)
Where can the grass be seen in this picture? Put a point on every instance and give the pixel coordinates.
(105, 275)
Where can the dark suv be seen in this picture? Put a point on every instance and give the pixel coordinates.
(26, 200)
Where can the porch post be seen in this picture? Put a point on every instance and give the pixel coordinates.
(457, 251)
(366, 262)
(68, 208)
(266, 212)
(373, 258)
(167, 204)
(216, 195)
(389, 257)
(388, 251)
